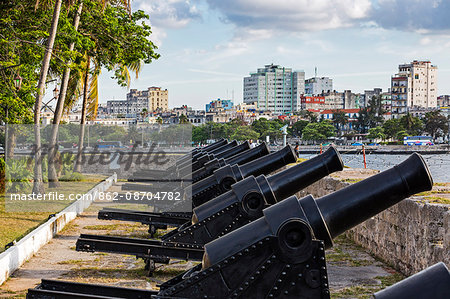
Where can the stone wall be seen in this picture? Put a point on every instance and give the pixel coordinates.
(410, 236)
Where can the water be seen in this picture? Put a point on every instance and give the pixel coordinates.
(439, 165)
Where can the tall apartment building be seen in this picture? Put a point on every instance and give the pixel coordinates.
(415, 85)
(318, 85)
(152, 99)
(275, 88)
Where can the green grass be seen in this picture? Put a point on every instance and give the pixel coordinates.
(15, 225)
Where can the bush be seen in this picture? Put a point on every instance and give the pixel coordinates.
(72, 177)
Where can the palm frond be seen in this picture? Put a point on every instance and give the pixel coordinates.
(74, 91)
(92, 101)
(136, 66)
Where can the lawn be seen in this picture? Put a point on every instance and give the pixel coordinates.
(15, 225)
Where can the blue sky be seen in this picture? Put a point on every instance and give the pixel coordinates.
(208, 46)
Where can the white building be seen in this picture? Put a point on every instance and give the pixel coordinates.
(318, 85)
(415, 85)
(275, 88)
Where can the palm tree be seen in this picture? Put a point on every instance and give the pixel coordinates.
(90, 96)
(38, 186)
(340, 119)
(52, 175)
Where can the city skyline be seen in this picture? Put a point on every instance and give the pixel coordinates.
(207, 49)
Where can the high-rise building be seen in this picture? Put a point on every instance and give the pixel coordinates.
(415, 85)
(318, 85)
(275, 88)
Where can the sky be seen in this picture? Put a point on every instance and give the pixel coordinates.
(207, 47)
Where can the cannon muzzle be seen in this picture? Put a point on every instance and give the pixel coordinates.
(249, 155)
(433, 282)
(329, 215)
(306, 173)
(207, 148)
(350, 206)
(224, 177)
(269, 163)
(275, 187)
(239, 159)
(188, 168)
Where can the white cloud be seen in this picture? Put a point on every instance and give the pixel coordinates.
(421, 16)
(169, 13)
(292, 15)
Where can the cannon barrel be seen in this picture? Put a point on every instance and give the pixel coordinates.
(201, 153)
(188, 169)
(350, 206)
(207, 148)
(433, 282)
(265, 165)
(239, 159)
(278, 186)
(305, 173)
(332, 214)
(224, 177)
(249, 155)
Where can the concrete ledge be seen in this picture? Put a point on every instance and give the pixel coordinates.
(15, 256)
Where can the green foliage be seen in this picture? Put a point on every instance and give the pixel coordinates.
(391, 128)
(371, 115)
(245, 133)
(269, 128)
(318, 131)
(18, 175)
(435, 124)
(340, 119)
(72, 177)
(297, 128)
(377, 133)
(411, 124)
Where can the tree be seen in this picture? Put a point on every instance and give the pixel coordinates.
(38, 186)
(340, 119)
(52, 175)
(392, 127)
(298, 127)
(435, 124)
(265, 127)
(318, 131)
(245, 133)
(371, 115)
(308, 115)
(411, 124)
(183, 119)
(376, 133)
(118, 43)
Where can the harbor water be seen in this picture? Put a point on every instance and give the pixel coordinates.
(439, 165)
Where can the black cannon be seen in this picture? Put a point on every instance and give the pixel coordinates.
(187, 170)
(180, 173)
(281, 254)
(172, 171)
(433, 282)
(162, 220)
(187, 157)
(233, 209)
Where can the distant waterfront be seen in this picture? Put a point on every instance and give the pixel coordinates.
(439, 164)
